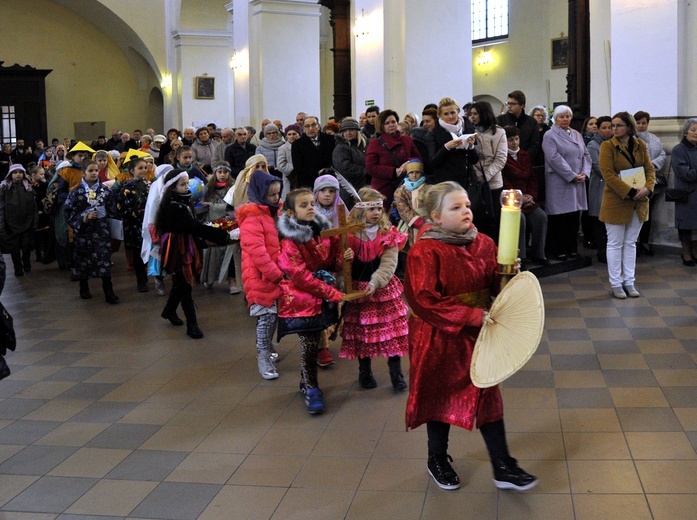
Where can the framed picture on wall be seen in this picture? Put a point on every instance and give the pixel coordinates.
(560, 53)
(205, 87)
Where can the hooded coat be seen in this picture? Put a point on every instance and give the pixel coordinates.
(302, 254)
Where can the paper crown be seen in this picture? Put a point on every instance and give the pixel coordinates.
(79, 147)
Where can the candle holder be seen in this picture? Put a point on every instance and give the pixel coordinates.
(509, 232)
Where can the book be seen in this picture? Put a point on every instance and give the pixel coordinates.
(634, 177)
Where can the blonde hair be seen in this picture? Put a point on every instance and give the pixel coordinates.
(446, 102)
(357, 215)
(433, 199)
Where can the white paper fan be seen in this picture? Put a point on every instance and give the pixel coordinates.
(511, 333)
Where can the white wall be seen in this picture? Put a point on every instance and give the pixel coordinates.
(368, 62)
(600, 57)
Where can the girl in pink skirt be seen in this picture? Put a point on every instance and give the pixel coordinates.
(377, 324)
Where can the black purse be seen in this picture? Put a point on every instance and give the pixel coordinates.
(8, 340)
(677, 195)
(482, 204)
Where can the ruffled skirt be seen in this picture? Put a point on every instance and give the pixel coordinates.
(377, 326)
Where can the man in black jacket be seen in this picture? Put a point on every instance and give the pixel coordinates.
(311, 152)
(238, 152)
(526, 125)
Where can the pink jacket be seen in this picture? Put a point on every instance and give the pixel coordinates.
(301, 255)
(260, 247)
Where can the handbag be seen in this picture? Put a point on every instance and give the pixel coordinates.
(482, 204)
(677, 195)
(8, 339)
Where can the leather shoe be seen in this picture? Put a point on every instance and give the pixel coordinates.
(172, 317)
(541, 261)
(688, 263)
(508, 475)
(4, 369)
(193, 331)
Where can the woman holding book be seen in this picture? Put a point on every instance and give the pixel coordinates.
(629, 177)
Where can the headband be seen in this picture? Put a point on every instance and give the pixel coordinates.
(173, 180)
(369, 204)
(222, 167)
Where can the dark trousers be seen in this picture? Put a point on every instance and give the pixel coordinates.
(494, 435)
(140, 268)
(21, 253)
(562, 231)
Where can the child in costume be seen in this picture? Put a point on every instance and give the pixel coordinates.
(218, 262)
(407, 199)
(260, 272)
(131, 202)
(177, 228)
(450, 278)
(377, 324)
(327, 204)
(86, 211)
(305, 257)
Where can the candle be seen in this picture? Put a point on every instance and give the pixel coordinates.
(511, 201)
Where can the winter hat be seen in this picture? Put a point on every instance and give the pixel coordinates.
(16, 167)
(270, 128)
(415, 165)
(294, 127)
(325, 181)
(159, 138)
(349, 123)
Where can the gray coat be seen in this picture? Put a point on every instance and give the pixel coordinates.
(596, 183)
(684, 164)
(565, 157)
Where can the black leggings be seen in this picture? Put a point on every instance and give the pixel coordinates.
(494, 434)
(309, 345)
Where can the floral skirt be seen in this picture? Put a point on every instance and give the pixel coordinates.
(376, 326)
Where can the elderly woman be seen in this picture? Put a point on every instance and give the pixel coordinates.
(684, 162)
(203, 148)
(388, 154)
(284, 160)
(624, 206)
(348, 157)
(270, 145)
(567, 166)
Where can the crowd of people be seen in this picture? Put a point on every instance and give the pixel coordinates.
(314, 222)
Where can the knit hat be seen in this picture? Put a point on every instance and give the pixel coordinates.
(16, 167)
(294, 127)
(349, 123)
(415, 165)
(326, 181)
(270, 128)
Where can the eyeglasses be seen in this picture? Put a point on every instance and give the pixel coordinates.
(311, 125)
(271, 133)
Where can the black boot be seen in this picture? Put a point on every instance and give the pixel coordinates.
(4, 369)
(395, 365)
(109, 295)
(507, 475)
(85, 293)
(365, 373)
(442, 472)
(192, 329)
(171, 315)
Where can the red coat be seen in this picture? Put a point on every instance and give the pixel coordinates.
(380, 165)
(302, 255)
(518, 175)
(443, 331)
(260, 247)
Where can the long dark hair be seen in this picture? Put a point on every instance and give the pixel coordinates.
(166, 200)
(487, 120)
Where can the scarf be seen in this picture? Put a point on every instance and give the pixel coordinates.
(372, 231)
(514, 154)
(411, 186)
(453, 129)
(449, 237)
(272, 145)
(221, 185)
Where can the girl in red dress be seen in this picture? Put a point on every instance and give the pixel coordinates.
(450, 277)
(377, 324)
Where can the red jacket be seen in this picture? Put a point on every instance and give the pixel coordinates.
(260, 247)
(518, 175)
(380, 165)
(301, 255)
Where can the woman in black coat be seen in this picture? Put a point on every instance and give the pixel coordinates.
(451, 157)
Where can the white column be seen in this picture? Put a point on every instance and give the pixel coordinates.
(284, 61)
(647, 56)
(200, 53)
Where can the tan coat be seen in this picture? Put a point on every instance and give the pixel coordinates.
(614, 209)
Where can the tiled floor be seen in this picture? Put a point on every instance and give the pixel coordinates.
(113, 413)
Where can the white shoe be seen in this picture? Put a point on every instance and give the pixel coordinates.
(618, 292)
(233, 288)
(266, 367)
(631, 291)
(160, 286)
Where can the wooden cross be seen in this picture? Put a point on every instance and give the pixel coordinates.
(343, 230)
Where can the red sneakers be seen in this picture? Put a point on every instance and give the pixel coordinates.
(324, 358)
